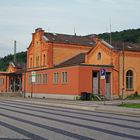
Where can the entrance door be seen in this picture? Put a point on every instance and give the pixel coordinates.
(15, 83)
(95, 82)
(108, 85)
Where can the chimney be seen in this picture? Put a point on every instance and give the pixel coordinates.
(39, 30)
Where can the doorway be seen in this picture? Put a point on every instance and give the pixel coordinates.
(95, 82)
(108, 85)
(15, 83)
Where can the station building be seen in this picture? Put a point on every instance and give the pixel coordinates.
(64, 66)
(11, 79)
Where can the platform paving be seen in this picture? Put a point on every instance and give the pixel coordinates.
(37, 119)
(107, 106)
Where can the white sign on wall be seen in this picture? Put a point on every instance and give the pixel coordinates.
(33, 76)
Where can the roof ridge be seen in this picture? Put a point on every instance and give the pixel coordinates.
(71, 59)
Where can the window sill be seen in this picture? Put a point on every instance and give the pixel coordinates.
(55, 83)
(64, 83)
(129, 89)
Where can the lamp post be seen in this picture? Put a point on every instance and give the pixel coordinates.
(24, 81)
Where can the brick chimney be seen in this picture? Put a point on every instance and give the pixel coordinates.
(38, 32)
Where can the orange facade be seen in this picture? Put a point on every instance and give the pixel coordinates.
(64, 66)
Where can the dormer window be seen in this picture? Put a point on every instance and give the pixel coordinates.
(99, 56)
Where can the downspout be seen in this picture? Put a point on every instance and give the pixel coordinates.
(52, 54)
(118, 73)
(111, 76)
(6, 83)
(123, 75)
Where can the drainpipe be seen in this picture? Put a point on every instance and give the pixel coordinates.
(52, 55)
(6, 83)
(123, 75)
(14, 85)
(118, 72)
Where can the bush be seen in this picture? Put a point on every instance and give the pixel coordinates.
(77, 98)
(94, 98)
(133, 96)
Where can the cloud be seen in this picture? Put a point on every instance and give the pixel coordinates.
(19, 18)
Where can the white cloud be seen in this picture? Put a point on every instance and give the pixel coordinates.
(19, 18)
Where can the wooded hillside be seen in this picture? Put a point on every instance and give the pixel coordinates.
(4, 62)
(131, 35)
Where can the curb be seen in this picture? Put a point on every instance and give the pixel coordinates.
(97, 108)
(118, 112)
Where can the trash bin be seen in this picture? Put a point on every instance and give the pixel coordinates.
(88, 96)
(83, 95)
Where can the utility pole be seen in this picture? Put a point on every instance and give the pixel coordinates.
(14, 79)
(74, 31)
(15, 43)
(110, 39)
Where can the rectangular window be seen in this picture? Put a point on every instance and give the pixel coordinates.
(55, 78)
(129, 82)
(64, 77)
(44, 78)
(1, 81)
(30, 79)
(38, 79)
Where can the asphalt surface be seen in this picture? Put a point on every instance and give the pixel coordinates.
(24, 121)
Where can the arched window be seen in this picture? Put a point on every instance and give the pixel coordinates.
(37, 61)
(44, 60)
(129, 79)
(31, 62)
(99, 56)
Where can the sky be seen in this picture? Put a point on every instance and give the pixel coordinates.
(20, 18)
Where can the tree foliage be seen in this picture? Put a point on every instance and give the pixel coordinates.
(4, 62)
(131, 35)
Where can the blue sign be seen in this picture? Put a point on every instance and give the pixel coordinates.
(102, 73)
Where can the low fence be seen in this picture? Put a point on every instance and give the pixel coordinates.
(11, 94)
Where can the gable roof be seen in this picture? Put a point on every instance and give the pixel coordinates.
(118, 46)
(80, 58)
(127, 46)
(17, 65)
(69, 39)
